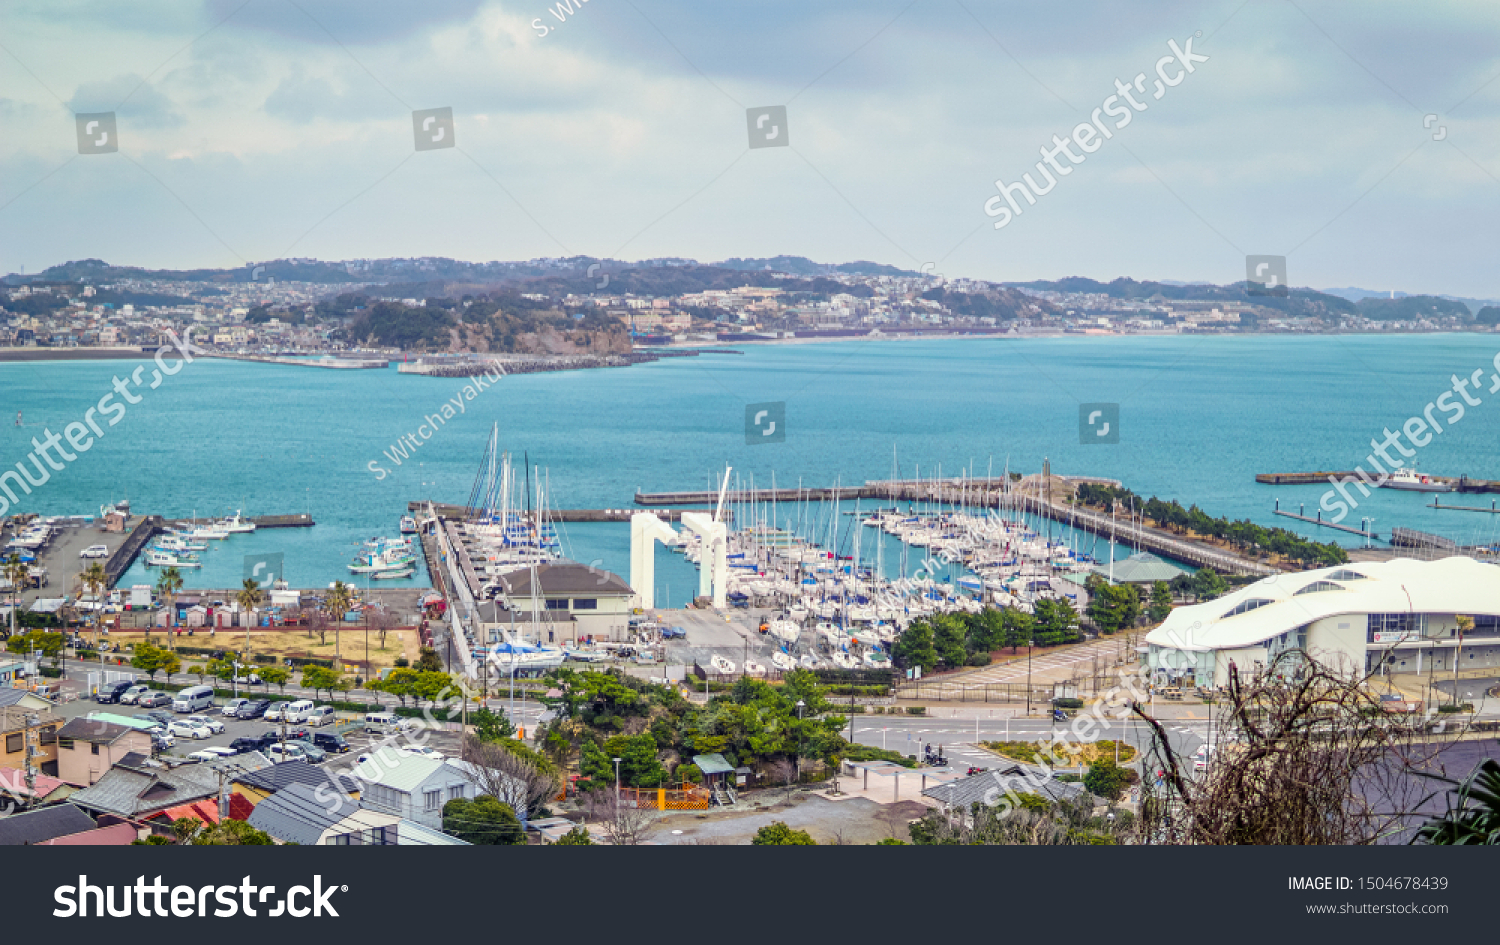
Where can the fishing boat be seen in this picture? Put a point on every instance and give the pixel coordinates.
(392, 575)
(234, 524)
(209, 532)
(375, 562)
(408, 525)
(169, 559)
(176, 543)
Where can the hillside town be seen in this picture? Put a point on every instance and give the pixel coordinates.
(249, 311)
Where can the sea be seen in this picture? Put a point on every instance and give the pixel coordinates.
(1197, 417)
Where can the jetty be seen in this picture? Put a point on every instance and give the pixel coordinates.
(1325, 477)
(1362, 532)
(326, 361)
(1437, 504)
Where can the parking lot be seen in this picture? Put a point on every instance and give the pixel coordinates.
(348, 725)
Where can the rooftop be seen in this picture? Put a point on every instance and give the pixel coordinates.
(566, 578)
(39, 825)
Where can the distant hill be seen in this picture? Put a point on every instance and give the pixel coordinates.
(802, 266)
(1300, 303)
(1413, 307)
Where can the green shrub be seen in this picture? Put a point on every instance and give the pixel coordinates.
(1068, 703)
(916, 710)
(979, 659)
(688, 772)
(780, 835)
(1466, 707)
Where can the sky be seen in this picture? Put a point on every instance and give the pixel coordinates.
(1358, 141)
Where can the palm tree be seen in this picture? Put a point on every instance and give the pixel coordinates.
(167, 586)
(248, 598)
(340, 598)
(96, 580)
(16, 573)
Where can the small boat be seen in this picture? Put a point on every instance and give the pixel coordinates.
(781, 661)
(392, 575)
(169, 559)
(209, 532)
(585, 655)
(1409, 480)
(390, 559)
(408, 525)
(177, 543)
(722, 665)
(235, 525)
(753, 668)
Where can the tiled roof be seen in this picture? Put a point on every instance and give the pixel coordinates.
(134, 792)
(566, 577)
(93, 730)
(298, 771)
(44, 824)
(297, 814)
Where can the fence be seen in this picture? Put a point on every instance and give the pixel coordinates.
(941, 690)
(687, 797)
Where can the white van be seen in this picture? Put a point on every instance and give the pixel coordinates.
(320, 715)
(382, 723)
(193, 699)
(296, 712)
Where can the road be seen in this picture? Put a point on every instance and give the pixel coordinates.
(907, 734)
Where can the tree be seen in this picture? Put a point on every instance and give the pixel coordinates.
(1473, 815)
(148, 659)
(428, 660)
(382, 621)
(48, 643)
(577, 837)
(1019, 628)
(1056, 622)
(96, 580)
(513, 773)
(168, 583)
(226, 833)
(779, 834)
(483, 821)
(248, 596)
(1105, 779)
(170, 663)
(624, 823)
(915, 647)
(400, 682)
(1161, 602)
(340, 598)
(491, 726)
(199, 671)
(319, 678)
(1207, 584)
(277, 676)
(948, 639)
(16, 572)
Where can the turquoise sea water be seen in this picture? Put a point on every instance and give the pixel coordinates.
(1199, 416)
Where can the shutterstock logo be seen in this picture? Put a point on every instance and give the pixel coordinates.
(158, 899)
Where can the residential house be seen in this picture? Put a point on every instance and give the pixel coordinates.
(300, 813)
(25, 699)
(575, 601)
(43, 789)
(137, 792)
(257, 786)
(87, 748)
(38, 826)
(413, 787)
(14, 721)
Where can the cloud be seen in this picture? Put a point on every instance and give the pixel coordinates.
(133, 100)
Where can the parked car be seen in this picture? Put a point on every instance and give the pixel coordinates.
(162, 742)
(153, 699)
(422, 750)
(291, 734)
(253, 710)
(112, 692)
(297, 711)
(130, 695)
(233, 706)
(276, 712)
(157, 715)
(320, 716)
(95, 551)
(212, 754)
(185, 729)
(213, 724)
(331, 743)
(289, 752)
(314, 754)
(247, 744)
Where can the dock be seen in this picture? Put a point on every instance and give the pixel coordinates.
(1411, 538)
(337, 364)
(1437, 504)
(1459, 483)
(299, 520)
(459, 513)
(997, 493)
(1319, 521)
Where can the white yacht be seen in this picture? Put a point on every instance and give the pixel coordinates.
(235, 525)
(169, 559)
(1409, 480)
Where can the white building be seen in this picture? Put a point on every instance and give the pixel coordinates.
(1402, 611)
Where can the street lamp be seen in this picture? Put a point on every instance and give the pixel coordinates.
(800, 707)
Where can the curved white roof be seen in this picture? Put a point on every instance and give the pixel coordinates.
(1272, 605)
